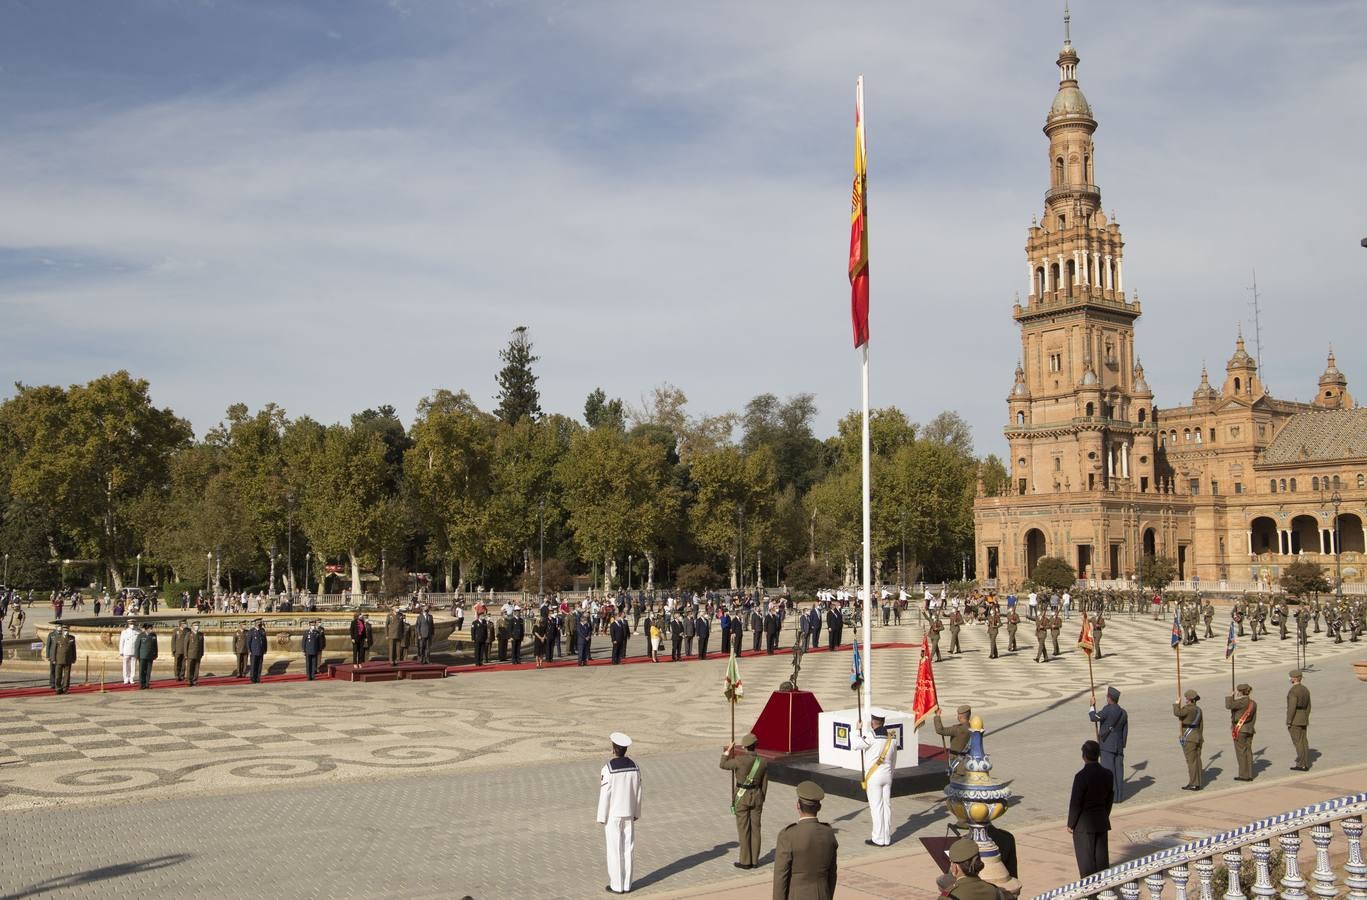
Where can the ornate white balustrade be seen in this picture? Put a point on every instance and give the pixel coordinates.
(1175, 866)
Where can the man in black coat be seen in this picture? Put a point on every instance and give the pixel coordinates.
(146, 653)
(194, 654)
(834, 625)
(617, 633)
(423, 628)
(737, 626)
(773, 622)
(690, 630)
(756, 629)
(256, 649)
(814, 622)
(1089, 812)
(676, 632)
(517, 633)
(479, 630)
(359, 640)
(703, 628)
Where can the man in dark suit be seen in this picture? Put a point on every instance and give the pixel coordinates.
(64, 652)
(756, 629)
(478, 632)
(1089, 812)
(256, 650)
(814, 617)
(146, 653)
(194, 654)
(423, 628)
(617, 633)
(676, 630)
(737, 627)
(704, 629)
(772, 624)
(517, 633)
(50, 652)
(585, 639)
(834, 626)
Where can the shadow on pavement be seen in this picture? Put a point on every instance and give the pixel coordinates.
(1041, 711)
(94, 876)
(684, 864)
(1135, 785)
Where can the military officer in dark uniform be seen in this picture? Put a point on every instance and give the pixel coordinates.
(676, 631)
(1191, 738)
(772, 626)
(805, 854)
(256, 649)
(146, 653)
(703, 629)
(423, 628)
(835, 625)
(517, 633)
(64, 653)
(585, 640)
(993, 624)
(312, 643)
(240, 651)
(1243, 717)
(178, 648)
(1113, 733)
(1055, 625)
(756, 629)
(194, 654)
(750, 778)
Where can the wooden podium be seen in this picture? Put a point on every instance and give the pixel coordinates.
(788, 723)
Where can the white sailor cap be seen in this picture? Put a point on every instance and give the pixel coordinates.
(619, 739)
(876, 713)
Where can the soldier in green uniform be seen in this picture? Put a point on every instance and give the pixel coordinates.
(1243, 716)
(1303, 624)
(64, 653)
(805, 855)
(1208, 616)
(1191, 737)
(936, 626)
(1282, 616)
(1012, 621)
(1098, 625)
(1298, 719)
(750, 775)
(965, 865)
(956, 620)
(994, 622)
(1055, 624)
(1041, 632)
(958, 735)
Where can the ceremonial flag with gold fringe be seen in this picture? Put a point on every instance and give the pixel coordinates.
(732, 688)
(859, 228)
(926, 701)
(1085, 640)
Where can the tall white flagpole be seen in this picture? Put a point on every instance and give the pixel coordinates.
(864, 436)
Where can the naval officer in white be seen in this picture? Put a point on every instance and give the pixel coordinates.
(878, 778)
(619, 806)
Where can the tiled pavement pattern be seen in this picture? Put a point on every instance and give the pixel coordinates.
(484, 783)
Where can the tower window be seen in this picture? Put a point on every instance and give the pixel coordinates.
(1336, 482)
(1293, 485)
(1272, 485)
(1282, 485)
(1091, 410)
(1236, 384)
(1058, 172)
(1055, 362)
(1141, 414)
(1020, 418)
(1062, 222)
(1315, 483)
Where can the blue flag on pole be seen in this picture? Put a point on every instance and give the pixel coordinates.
(856, 668)
(1231, 642)
(1176, 631)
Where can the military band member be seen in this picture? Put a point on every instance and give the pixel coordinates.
(1298, 720)
(935, 627)
(878, 778)
(1243, 717)
(956, 621)
(619, 806)
(1191, 738)
(993, 623)
(1013, 620)
(1208, 616)
(750, 777)
(805, 854)
(1055, 625)
(1041, 635)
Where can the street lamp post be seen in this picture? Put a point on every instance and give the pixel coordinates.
(289, 541)
(6, 570)
(208, 571)
(1337, 500)
(137, 577)
(740, 547)
(902, 561)
(628, 571)
(308, 557)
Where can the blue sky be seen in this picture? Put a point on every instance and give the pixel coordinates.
(342, 204)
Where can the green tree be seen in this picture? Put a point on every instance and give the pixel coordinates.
(667, 407)
(1053, 573)
(1302, 578)
(996, 480)
(525, 493)
(1156, 572)
(696, 577)
(805, 578)
(450, 477)
(950, 430)
(786, 429)
(600, 412)
(85, 456)
(517, 396)
(732, 490)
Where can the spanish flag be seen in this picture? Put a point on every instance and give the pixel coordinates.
(859, 227)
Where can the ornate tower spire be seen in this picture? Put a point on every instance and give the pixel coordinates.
(1333, 389)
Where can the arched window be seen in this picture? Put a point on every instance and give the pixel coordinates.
(1087, 168)
(1315, 483)
(1020, 418)
(1058, 464)
(1172, 435)
(1186, 435)
(1039, 282)
(1141, 414)
(1272, 485)
(1362, 481)
(1236, 384)
(1293, 485)
(1162, 439)
(1072, 276)
(1058, 172)
(1091, 410)
(1197, 433)
(1336, 482)
(1054, 272)
(1283, 484)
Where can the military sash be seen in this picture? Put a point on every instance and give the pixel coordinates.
(882, 755)
(1186, 734)
(1248, 711)
(749, 780)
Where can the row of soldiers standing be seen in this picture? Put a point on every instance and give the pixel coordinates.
(1048, 623)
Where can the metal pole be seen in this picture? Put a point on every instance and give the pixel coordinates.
(137, 578)
(541, 563)
(6, 570)
(628, 571)
(289, 540)
(208, 571)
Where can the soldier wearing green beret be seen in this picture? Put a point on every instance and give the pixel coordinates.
(804, 857)
(1243, 717)
(1191, 737)
(965, 864)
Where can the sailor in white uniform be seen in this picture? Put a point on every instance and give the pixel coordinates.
(619, 806)
(882, 744)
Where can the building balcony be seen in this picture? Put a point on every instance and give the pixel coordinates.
(1071, 191)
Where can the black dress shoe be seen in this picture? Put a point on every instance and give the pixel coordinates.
(1188, 787)
(1241, 778)
(741, 865)
(1197, 787)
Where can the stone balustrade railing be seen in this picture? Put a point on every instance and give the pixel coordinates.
(1175, 866)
